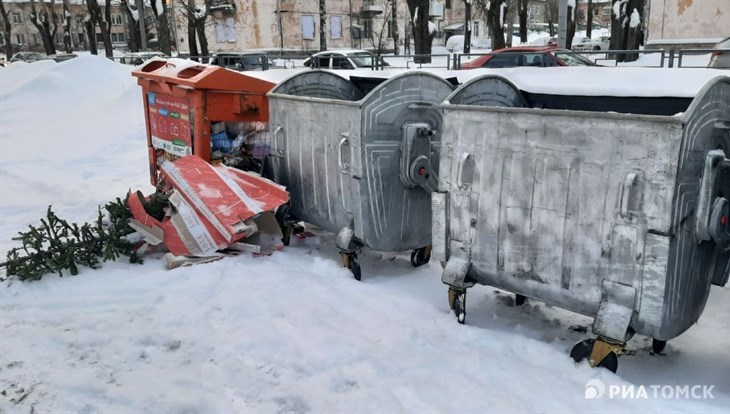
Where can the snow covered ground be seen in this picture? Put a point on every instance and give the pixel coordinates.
(289, 333)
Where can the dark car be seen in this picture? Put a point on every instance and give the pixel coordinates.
(27, 57)
(344, 59)
(242, 61)
(721, 57)
(138, 58)
(528, 56)
(62, 57)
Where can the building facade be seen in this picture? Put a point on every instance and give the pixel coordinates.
(294, 25)
(25, 35)
(688, 19)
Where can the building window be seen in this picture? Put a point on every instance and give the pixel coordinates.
(118, 37)
(17, 18)
(79, 20)
(535, 11)
(367, 29)
(20, 38)
(391, 29)
(220, 30)
(336, 27)
(99, 38)
(308, 27)
(475, 29)
(231, 29)
(117, 20)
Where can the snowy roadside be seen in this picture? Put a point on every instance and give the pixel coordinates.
(288, 333)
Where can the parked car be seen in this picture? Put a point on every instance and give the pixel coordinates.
(528, 56)
(455, 43)
(242, 61)
(595, 44)
(721, 58)
(61, 57)
(27, 57)
(139, 58)
(343, 59)
(545, 41)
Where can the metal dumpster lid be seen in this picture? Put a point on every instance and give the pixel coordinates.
(357, 84)
(194, 75)
(602, 81)
(658, 97)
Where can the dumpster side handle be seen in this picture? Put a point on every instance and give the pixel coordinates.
(626, 193)
(465, 174)
(345, 140)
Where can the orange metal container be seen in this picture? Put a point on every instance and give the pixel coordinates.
(182, 98)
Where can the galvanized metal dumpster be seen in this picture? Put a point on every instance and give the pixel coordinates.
(623, 217)
(360, 165)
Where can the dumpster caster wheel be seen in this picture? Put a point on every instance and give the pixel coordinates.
(457, 303)
(420, 257)
(286, 231)
(349, 260)
(520, 299)
(593, 350)
(658, 345)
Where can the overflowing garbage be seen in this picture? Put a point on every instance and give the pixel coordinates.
(212, 211)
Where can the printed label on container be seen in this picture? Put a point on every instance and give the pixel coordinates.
(170, 123)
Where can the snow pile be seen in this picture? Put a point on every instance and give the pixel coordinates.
(72, 136)
(292, 332)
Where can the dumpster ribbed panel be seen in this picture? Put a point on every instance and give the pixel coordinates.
(690, 262)
(331, 146)
(394, 216)
(564, 204)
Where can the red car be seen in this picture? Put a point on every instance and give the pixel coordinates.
(542, 56)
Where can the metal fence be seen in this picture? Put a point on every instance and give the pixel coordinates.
(617, 58)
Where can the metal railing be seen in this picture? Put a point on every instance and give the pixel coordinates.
(666, 58)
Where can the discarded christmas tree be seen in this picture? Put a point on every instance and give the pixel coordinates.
(57, 246)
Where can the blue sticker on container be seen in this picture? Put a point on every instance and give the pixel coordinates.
(151, 98)
(163, 111)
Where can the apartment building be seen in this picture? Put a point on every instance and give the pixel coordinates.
(25, 36)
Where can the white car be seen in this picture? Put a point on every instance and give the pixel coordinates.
(343, 59)
(596, 44)
(139, 58)
(456, 43)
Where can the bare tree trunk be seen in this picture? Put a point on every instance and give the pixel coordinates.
(189, 14)
(67, 28)
(394, 19)
(571, 27)
(106, 28)
(200, 29)
(522, 14)
(163, 28)
(617, 25)
(551, 12)
(91, 34)
(467, 26)
(103, 21)
(419, 10)
(632, 28)
(322, 25)
(589, 19)
(133, 40)
(45, 23)
(496, 11)
(7, 31)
